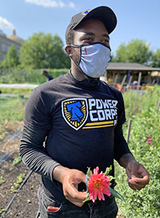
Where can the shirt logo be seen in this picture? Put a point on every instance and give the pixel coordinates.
(75, 112)
(90, 113)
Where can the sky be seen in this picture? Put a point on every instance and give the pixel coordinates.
(136, 18)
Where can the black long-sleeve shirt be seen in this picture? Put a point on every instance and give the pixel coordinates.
(81, 124)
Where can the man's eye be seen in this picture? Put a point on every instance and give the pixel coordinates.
(88, 39)
(105, 41)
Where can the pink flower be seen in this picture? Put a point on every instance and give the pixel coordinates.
(149, 142)
(149, 137)
(152, 146)
(98, 185)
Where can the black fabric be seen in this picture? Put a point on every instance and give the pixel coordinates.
(49, 77)
(103, 13)
(80, 124)
(69, 210)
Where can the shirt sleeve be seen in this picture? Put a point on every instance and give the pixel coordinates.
(120, 144)
(37, 124)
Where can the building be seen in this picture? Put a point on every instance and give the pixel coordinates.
(7, 41)
(116, 72)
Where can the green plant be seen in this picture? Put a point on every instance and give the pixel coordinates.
(1, 180)
(11, 168)
(2, 210)
(20, 178)
(144, 144)
(17, 160)
(12, 189)
(15, 185)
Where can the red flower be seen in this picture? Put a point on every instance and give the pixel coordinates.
(98, 185)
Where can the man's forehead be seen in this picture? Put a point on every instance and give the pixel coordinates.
(91, 24)
(90, 21)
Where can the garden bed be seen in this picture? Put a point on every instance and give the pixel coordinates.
(26, 203)
(12, 174)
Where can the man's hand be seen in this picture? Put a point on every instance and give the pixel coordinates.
(138, 177)
(70, 178)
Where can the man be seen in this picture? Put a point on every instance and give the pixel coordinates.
(80, 118)
(46, 74)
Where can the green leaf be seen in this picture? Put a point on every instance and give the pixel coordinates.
(87, 198)
(88, 172)
(108, 169)
(116, 194)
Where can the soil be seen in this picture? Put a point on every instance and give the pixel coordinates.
(25, 203)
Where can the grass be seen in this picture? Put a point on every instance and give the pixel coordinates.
(11, 109)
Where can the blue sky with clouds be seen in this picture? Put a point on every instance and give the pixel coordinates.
(136, 18)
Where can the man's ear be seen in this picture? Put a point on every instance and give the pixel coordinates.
(69, 50)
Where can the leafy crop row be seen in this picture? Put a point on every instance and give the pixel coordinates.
(144, 143)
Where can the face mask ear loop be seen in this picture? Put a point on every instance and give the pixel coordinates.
(77, 64)
(77, 46)
(87, 77)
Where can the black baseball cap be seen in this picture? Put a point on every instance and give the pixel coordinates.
(103, 13)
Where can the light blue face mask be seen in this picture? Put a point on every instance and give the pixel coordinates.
(94, 59)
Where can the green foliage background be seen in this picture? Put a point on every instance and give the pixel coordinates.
(27, 75)
(43, 51)
(145, 123)
(12, 58)
(136, 51)
(11, 109)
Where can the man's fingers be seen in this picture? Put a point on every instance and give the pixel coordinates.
(76, 197)
(138, 183)
(73, 193)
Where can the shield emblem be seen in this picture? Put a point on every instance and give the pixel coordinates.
(75, 112)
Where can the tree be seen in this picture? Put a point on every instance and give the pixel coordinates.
(137, 51)
(60, 58)
(12, 58)
(156, 59)
(43, 51)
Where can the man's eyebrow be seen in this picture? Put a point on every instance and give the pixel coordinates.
(106, 35)
(89, 33)
(92, 34)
